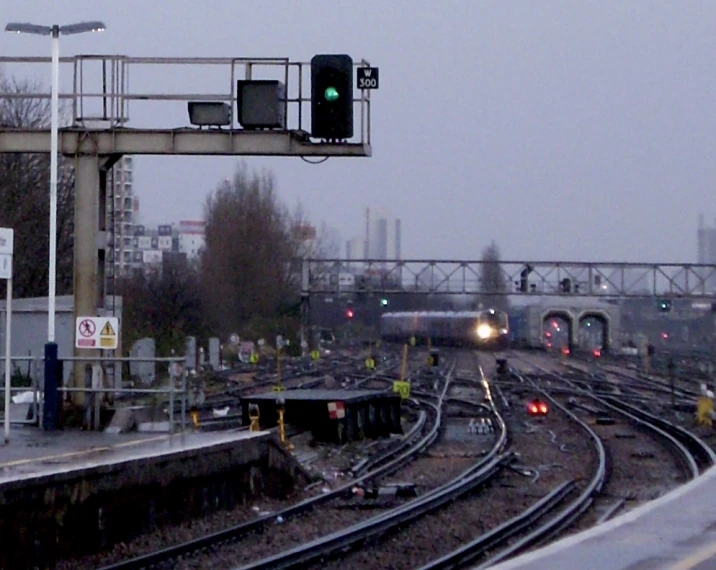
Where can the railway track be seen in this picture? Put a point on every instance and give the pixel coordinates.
(416, 441)
(637, 441)
(540, 521)
(388, 522)
(530, 517)
(506, 532)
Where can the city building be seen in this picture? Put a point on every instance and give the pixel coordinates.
(706, 239)
(355, 248)
(153, 246)
(706, 243)
(306, 239)
(381, 238)
(122, 209)
(382, 233)
(191, 238)
(132, 246)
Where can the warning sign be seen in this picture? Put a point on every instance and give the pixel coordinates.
(107, 330)
(97, 332)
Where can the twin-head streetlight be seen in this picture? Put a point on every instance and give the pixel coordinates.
(55, 31)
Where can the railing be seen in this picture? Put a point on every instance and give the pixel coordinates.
(96, 391)
(33, 417)
(100, 92)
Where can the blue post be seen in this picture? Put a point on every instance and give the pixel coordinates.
(49, 408)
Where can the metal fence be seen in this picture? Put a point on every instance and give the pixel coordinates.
(95, 390)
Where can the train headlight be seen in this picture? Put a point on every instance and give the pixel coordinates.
(484, 331)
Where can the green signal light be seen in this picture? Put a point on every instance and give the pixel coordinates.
(331, 94)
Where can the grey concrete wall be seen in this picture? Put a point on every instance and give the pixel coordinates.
(186, 483)
(535, 314)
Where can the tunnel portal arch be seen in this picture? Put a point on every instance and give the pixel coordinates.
(602, 317)
(567, 318)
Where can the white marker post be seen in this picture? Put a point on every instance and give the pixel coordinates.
(6, 247)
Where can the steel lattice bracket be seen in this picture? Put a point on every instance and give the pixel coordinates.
(536, 278)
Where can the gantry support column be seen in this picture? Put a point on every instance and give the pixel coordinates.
(87, 209)
(305, 327)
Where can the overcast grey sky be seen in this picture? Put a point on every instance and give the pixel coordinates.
(561, 129)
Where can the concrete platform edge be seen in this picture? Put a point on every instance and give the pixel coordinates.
(95, 468)
(524, 560)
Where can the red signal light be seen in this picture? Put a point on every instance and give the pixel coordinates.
(349, 313)
(565, 351)
(537, 408)
(597, 353)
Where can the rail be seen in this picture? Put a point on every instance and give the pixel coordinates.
(235, 532)
(574, 509)
(96, 369)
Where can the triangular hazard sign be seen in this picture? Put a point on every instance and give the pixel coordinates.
(107, 330)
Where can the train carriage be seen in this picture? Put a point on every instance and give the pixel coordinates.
(486, 329)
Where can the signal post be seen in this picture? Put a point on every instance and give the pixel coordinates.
(270, 124)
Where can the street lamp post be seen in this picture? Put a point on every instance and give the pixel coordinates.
(51, 347)
(55, 32)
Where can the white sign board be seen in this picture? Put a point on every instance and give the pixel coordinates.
(97, 332)
(6, 240)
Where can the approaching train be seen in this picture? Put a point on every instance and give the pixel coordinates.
(486, 329)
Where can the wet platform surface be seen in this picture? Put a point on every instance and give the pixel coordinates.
(33, 452)
(67, 493)
(674, 532)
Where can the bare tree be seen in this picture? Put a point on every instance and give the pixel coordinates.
(493, 287)
(246, 266)
(24, 193)
(163, 304)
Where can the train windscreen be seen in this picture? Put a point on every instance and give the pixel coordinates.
(497, 319)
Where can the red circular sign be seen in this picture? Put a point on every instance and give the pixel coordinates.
(87, 328)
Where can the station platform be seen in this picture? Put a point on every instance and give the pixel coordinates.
(675, 532)
(77, 492)
(32, 452)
